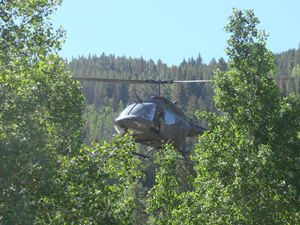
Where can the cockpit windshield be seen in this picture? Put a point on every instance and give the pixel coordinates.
(145, 110)
(126, 111)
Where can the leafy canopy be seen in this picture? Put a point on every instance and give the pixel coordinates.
(247, 168)
(47, 176)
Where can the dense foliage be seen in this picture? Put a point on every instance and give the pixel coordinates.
(40, 109)
(248, 167)
(47, 175)
(246, 170)
(248, 164)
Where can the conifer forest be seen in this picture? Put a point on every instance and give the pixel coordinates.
(61, 162)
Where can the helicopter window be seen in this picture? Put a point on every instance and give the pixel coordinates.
(126, 110)
(169, 118)
(144, 110)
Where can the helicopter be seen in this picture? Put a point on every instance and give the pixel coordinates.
(155, 121)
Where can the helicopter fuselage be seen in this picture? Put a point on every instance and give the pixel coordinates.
(156, 121)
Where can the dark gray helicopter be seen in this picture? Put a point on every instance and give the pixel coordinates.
(154, 121)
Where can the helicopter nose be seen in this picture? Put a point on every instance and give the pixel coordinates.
(122, 124)
(138, 125)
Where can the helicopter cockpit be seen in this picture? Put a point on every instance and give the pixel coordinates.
(139, 114)
(145, 110)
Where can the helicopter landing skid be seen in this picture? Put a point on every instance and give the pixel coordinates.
(186, 160)
(184, 154)
(146, 155)
(138, 154)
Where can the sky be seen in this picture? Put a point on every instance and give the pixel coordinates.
(169, 30)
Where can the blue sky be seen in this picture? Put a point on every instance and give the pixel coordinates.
(169, 30)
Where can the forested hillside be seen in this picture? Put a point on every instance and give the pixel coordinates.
(106, 100)
(288, 71)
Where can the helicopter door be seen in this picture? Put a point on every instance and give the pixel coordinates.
(170, 129)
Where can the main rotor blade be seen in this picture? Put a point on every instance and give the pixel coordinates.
(109, 80)
(137, 81)
(191, 81)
